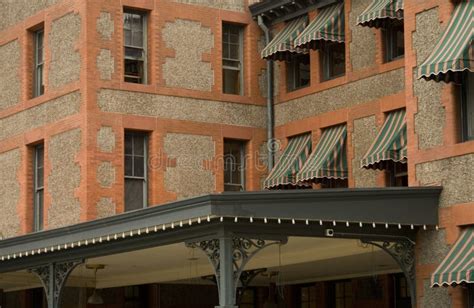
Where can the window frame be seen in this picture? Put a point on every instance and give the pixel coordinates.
(243, 166)
(145, 166)
(240, 61)
(38, 190)
(467, 101)
(293, 72)
(38, 66)
(389, 36)
(327, 53)
(144, 48)
(334, 296)
(312, 295)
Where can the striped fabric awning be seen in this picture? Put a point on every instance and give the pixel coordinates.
(458, 266)
(329, 159)
(390, 144)
(381, 12)
(454, 51)
(327, 26)
(281, 47)
(291, 161)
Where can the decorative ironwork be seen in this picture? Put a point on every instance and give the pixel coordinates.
(243, 249)
(403, 252)
(53, 277)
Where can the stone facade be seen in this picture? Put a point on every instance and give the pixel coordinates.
(14, 11)
(344, 96)
(231, 5)
(105, 64)
(365, 132)
(106, 139)
(431, 246)
(451, 173)
(65, 66)
(10, 84)
(64, 179)
(105, 208)
(105, 25)
(189, 178)
(181, 108)
(430, 118)
(362, 46)
(106, 174)
(9, 193)
(189, 40)
(435, 297)
(49, 112)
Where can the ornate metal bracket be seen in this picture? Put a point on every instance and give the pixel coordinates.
(403, 252)
(53, 277)
(243, 249)
(245, 279)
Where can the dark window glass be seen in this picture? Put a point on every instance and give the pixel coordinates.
(470, 294)
(298, 72)
(232, 59)
(334, 183)
(341, 294)
(38, 184)
(234, 165)
(334, 60)
(135, 297)
(307, 297)
(397, 174)
(38, 87)
(394, 42)
(135, 157)
(467, 107)
(135, 47)
(402, 291)
(247, 299)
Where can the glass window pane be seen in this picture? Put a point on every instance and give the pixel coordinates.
(234, 52)
(139, 144)
(39, 210)
(128, 37)
(137, 39)
(134, 71)
(469, 98)
(133, 194)
(138, 167)
(129, 144)
(231, 81)
(128, 165)
(39, 177)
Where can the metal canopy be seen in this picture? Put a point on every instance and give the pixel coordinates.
(374, 214)
(275, 11)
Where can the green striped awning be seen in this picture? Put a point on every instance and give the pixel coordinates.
(327, 26)
(381, 12)
(454, 51)
(329, 159)
(281, 47)
(291, 161)
(458, 266)
(390, 144)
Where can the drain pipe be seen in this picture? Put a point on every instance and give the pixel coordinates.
(271, 146)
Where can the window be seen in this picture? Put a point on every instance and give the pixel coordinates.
(38, 86)
(308, 297)
(135, 171)
(334, 60)
(298, 72)
(402, 291)
(342, 294)
(334, 183)
(232, 59)
(135, 296)
(470, 295)
(467, 107)
(394, 42)
(247, 299)
(135, 46)
(234, 165)
(38, 185)
(396, 174)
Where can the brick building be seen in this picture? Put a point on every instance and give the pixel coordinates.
(335, 136)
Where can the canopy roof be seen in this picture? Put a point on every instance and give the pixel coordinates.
(390, 144)
(327, 26)
(380, 13)
(458, 266)
(454, 52)
(329, 159)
